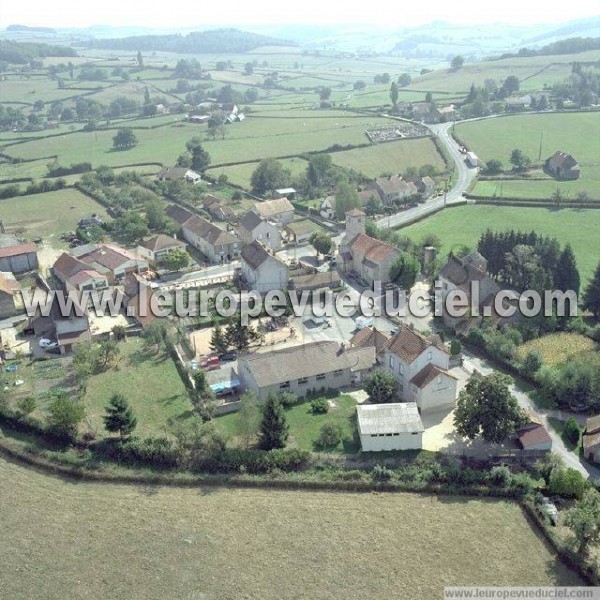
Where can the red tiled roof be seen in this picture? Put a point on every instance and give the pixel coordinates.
(372, 249)
(17, 250)
(428, 374)
(408, 344)
(530, 436)
(369, 336)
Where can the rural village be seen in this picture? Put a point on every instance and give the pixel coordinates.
(148, 175)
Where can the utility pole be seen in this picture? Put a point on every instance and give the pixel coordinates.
(541, 138)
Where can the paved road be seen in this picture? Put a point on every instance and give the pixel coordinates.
(464, 176)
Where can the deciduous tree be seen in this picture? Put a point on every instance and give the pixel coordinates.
(381, 386)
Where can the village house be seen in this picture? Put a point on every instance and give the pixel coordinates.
(468, 274)
(113, 262)
(369, 258)
(217, 210)
(425, 186)
(447, 113)
(253, 227)
(15, 256)
(310, 368)
(371, 337)
(562, 166)
(216, 244)
(77, 275)
(420, 365)
(425, 112)
(261, 270)
(11, 301)
(386, 427)
(279, 210)
(327, 207)
(179, 174)
(393, 188)
(157, 247)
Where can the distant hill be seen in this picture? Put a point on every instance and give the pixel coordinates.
(26, 28)
(198, 42)
(21, 53)
(568, 46)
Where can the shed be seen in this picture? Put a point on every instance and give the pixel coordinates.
(385, 427)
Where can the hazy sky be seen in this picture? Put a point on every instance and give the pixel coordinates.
(181, 13)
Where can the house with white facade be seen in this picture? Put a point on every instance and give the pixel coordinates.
(253, 227)
(420, 365)
(216, 244)
(261, 270)
(157, 247)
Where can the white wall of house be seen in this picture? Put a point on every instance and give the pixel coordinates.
(404, 372)
(397, 441)
(270, 275)
(268, 234)
(439, 394)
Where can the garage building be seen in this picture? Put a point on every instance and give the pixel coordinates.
(384, 427)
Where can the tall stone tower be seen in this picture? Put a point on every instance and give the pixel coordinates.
(355, 223)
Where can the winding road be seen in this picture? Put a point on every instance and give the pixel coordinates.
(464, 177)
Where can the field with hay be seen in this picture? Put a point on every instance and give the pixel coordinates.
(215, 543)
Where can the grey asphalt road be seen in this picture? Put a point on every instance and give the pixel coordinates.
(464, 176)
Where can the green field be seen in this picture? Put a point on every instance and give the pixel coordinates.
(305, 426)
(464, 225)
(242, 173)
(392, 157)
(253, 139)
(151, 384)
(216, 543)
(575, 133)
(47, 215)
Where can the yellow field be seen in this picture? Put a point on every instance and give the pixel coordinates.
(558, 348)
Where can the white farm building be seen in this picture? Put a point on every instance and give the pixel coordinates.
(384, 427)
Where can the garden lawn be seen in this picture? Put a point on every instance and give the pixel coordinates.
(305, 426)
(151, 384)
(464, 224)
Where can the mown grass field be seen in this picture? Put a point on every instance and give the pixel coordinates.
(215, 543)
(391, 157)
(575, 133)
(464, 225)
(558, 348)
(47, 215)
(305, 426)
(151, 384)
(250, 140)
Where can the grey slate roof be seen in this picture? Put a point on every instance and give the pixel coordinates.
(378, 419)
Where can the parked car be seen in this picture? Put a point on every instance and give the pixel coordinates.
(228, 356)
(362, 322)
(11, 369)
(211, 363)
(47, 343)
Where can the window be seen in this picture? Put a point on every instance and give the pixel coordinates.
(302, 380)
(414, 433)
(320, 376)
(429, 355)
(284, 385)
(388, 435)
(401, 368)
(338, 373)
(391, 362)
